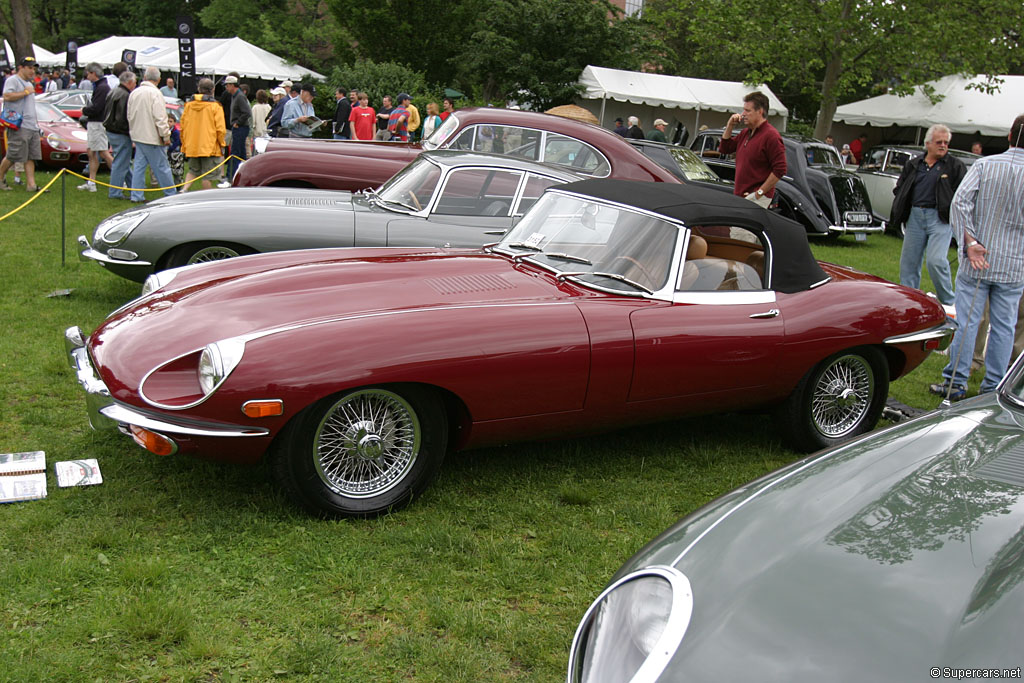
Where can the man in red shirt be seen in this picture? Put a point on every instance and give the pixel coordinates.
(363, 119)
(857, 148)
(760, 152)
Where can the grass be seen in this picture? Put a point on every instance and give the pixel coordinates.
(179, 569)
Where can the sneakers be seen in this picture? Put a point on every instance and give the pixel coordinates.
(223, 184)
(4, 187)
(957, 394)
(88, 186)
(17, 180)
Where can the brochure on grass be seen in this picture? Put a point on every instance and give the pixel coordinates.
(22, 476)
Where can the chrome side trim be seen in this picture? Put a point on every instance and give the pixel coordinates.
(943, 332)
(123, 415)
(671, 637)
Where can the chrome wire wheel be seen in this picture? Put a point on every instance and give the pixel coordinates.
(213, 253)
(366, 443)
(842, 395)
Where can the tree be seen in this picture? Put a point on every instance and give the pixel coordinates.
(829, 50)
(17, 27)
(533, 51)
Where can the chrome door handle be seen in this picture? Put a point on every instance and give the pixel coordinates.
(767, 314)
(495, 232)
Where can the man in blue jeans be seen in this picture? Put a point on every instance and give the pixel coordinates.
(988, 220)
(239, 123)
(922, 196)
(115, 120)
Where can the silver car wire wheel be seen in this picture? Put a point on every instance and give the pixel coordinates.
(213, 253)
(366, 443)
(842, 395)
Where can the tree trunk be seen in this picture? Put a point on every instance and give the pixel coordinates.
(21, 18)
(833, 69)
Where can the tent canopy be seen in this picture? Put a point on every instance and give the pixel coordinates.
(963, 110)
(43, 56)
(659, 90)
(216, 56)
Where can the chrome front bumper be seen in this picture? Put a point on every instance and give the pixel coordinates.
(853, 229)
(87, 253)
(105, 414)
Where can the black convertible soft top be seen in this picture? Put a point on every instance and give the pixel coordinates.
(793, 266)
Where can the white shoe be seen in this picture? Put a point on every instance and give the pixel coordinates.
(17, 180)
(223, 183)
(88, 186)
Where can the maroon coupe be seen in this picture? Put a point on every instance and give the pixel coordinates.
(346, 165)
(610, 303)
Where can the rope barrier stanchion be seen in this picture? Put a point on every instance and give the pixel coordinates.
(63, 221)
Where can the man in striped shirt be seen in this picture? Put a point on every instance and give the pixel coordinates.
(987, 215)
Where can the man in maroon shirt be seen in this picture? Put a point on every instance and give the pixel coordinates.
(760, 152)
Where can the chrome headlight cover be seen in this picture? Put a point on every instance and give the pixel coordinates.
(116, 228)
(57, 142)
(217, 361)
(632, 630)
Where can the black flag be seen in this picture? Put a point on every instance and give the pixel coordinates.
(128, 57)
(186, 57)
(72, 57)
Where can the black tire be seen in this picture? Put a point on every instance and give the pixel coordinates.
(204, 252)
(838, 399)
(362, 453)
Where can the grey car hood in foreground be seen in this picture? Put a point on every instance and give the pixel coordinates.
(879, 560)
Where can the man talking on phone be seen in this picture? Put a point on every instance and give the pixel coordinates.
(760, 152)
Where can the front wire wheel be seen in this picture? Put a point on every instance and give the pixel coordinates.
(838, 399)
(362, 453)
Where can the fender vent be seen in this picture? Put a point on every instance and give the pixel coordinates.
(1007, 467)
(312, 201)
(468, 284)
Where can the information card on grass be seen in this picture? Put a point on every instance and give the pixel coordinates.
(22, 476)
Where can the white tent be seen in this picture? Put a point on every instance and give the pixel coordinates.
(666, 96)
(214, 56)
(42, 55)
(963, 110)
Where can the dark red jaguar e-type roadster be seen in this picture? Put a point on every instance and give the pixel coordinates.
(610, 303)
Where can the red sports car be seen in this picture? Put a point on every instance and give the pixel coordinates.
(610, 303)
(346, 165)
(62, 140)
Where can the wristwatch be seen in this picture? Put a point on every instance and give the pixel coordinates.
(971, 244)
(759, 193)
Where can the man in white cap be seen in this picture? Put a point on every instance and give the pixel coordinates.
(657, 134)
(239, 122)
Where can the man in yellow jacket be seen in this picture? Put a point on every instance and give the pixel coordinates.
(202, 134)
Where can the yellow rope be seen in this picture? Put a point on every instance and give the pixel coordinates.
(62, 171)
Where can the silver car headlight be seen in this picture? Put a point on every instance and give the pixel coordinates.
(116, 228)
(217, 361)
(633, 628)
(57, 142)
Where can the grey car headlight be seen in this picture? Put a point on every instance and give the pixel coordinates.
(633, 628)
(115, 229)
(217, 361)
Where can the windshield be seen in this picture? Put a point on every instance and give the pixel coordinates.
(822, 155)
(691, 165)
(611, 247)
(50, 114)
(412, 187)
(441, 133)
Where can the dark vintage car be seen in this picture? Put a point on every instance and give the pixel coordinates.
(882, 166)
(681, 162)
(347, 165)
(610, 303)
(816, 191)
(443, 198)
(62, 140)
(897, 557)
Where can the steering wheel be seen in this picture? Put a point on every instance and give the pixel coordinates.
(415, 200)
(629, 259)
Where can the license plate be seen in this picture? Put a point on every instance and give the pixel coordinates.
(857, 218)
(860, 236)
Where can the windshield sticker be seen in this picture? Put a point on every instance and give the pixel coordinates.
(534, 240)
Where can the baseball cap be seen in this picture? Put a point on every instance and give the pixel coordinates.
(308, 87)
(403, 96)
(230, 80)
(660, 122)
(285, 84)
(27, 61)
(279, 91)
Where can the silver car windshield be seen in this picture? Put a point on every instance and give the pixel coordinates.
(608, 246)
(411, 188)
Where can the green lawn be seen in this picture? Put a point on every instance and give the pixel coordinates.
(178, 569)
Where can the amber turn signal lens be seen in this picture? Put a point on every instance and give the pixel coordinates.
(153, 442)
(268, 408)
(931, 345)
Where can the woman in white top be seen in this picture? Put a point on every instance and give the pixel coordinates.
(260, 114)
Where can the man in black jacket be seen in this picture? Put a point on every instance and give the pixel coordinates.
(115, 120)
(98, 144)
(342, 110)
(922, 197)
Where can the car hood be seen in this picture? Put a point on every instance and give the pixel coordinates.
(68, 131)
(269, 293)
(876, 561)
(250, 195)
